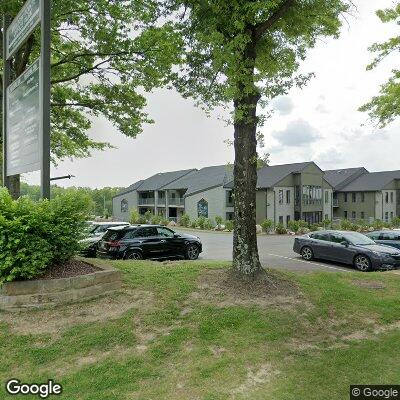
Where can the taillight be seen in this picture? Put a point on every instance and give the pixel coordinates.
(114, 243)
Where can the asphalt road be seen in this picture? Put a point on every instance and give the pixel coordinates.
(275, 251)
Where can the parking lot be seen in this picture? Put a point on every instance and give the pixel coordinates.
(275, 251)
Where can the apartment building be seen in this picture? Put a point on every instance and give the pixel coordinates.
(284, 193)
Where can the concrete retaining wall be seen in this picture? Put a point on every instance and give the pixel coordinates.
(16, 296)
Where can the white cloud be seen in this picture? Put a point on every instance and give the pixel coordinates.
(297, 133)
(283, 104)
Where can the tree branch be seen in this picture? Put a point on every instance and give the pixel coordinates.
(262, 27)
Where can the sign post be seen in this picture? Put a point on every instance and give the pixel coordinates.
(26, 101)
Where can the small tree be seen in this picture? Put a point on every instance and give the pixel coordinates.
(134, 218)
(267, 225)
(184, 220)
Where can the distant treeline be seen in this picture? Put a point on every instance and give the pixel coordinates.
(102, 198)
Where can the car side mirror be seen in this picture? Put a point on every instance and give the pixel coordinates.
(345, 243)
(176, 235)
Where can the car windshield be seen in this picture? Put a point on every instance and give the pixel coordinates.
(358, 238)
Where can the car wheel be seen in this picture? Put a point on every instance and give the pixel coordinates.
(307, 253)
(192, 252)
(362, 263)
(134, 255)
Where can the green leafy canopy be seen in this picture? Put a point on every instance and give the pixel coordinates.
(385, 107)
(106, 54)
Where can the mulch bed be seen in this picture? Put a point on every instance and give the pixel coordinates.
(69, 269)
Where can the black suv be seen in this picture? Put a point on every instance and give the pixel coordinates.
(136, 242)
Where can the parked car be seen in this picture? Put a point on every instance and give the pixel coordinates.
(348, 248)
(96, 231)
(389, 238)
(148, 241)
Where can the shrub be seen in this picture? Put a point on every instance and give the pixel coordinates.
(36, 235)
(345, 225)
(184, 220)
(218, 220)
(135, 217)
(396, 222)
(208, 224)
(164, 221)
(147, 216)
(294, 226)
(314, 227)
(267, 225)
(229, 225)
(326, 223)
(156, 219)
(193, 224)
(378, 224)
(280, 229)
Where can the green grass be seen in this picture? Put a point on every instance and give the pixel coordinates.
(178, 344)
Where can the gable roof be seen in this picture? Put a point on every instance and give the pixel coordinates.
(339, 178)
(162, 179)
(373, 181)
(269, 176)
(205, 178)
(129, 189)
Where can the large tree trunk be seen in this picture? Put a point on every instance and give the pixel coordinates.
(245, 249)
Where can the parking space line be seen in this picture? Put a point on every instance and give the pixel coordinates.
(309, 262)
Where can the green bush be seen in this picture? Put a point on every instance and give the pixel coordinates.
(193, 224)
(135, 217)
(345, 225)
(184, 220)
(164, 221)
(147, 216)
(294, 226)
(280, 229)
(378, 224)
(314, 227)
(267, 225)
(218, 220)
(396, 222)
(37, 235)
(156, 219)
(229, 225)
(208, 224)
(326, 223)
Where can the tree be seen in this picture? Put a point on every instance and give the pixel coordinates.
(263, 160)
(385, 107)
(105, 55)
(244, 53)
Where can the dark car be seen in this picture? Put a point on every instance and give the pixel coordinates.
(389, 238)
(96, 231)
(148, 241)
(347, 248)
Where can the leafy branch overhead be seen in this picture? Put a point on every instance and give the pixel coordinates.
(385, 107)
(105, 56)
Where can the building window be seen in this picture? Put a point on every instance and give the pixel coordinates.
(281, 219)
(287, 196)
(229, 198)
(202, 208)
(345, 214)
(391, 197)
(353, 215)
(362, 215)
(345, 197)
(362, 197)
(386, 216)
(230, 216)
(124, 206)
(287, 219)
(312, 195)
(354, 197)
(326, 216)
(386, 197)
(391, 215)
(326, 197)
(280, 196)
(297, 195)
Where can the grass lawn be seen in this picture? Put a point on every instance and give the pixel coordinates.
(182, 330)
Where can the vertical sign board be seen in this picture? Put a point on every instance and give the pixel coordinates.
(26, 101)
(23, 122)
(22, 26)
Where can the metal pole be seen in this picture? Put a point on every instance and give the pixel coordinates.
(45, 96)
(6, 83)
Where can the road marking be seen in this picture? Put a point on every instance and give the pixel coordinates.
(309, 262)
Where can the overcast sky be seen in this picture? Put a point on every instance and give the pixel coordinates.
(319, 123)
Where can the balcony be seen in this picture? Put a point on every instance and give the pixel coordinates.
(161, 202)
(335, 203)
(177, 201)
(146, 201)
